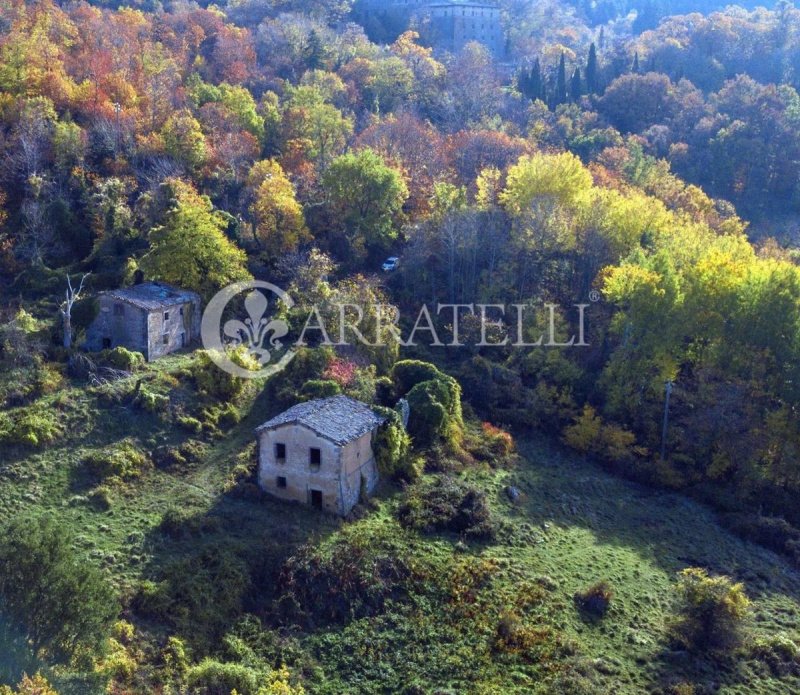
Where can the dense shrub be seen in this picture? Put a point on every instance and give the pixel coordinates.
(122, 358)
(100, 498)
(780, 653)
(406, 374)
(199, 595)
(308, 364)
(49, 594)
(319, 388)
(218, 383)
(436, 411)
(447, 504)
(211, 677)
(392, 448)
(36, 685)
(123, 460)
(190, 424)
(33, 426)
(595, 600)
(152, 402)
(191, 451)
(514, 636)
(590, 435)
(351, 577)
(711, 611)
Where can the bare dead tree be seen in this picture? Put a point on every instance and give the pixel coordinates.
(72, 295)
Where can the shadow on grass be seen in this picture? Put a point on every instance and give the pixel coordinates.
(667, 531)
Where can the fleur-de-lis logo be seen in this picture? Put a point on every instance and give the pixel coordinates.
(256, 328)
(258, 333)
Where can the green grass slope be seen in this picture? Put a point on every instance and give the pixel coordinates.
(572, 526)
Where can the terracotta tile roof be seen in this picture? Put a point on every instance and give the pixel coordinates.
(340, 419)
(152, 295)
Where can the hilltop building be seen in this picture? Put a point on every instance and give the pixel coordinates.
(448, 24)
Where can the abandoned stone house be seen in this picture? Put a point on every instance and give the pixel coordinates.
(152, 318)
(320, 453)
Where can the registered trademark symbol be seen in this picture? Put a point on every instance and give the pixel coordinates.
(594, 296)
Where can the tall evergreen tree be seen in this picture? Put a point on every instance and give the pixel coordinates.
(635, 66)
(561, 81)
(536, 85)
(575, 86)
(591, 70)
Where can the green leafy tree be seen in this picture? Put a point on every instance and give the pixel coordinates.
(278, 224)
(184, 140)
(366, 197)
(189, 249)
(56, 602)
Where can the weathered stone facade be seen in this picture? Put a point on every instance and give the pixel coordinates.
(455, 24)
(448, 24)
(320, 453)
(152, 318)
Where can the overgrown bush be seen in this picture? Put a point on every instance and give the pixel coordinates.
(406, 374)
(350, 577)
(595, 600)
(590, 435)
(211, 677)
(447, 504)
(122, 358)
(152, 402)
(190, 424)
(36, 685)
(436, 411)
(100, 498)
(780, 653)
(33, 426)
(199, 595)
(49, 594)
(514, 636)
(772, 532)
(319, 388)
(711, 611)
(218, 383)
(123, 460)
(393, 448)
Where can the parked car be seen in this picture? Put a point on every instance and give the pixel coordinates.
(390, 264)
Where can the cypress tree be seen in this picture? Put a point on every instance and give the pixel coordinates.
(591, 70)
(635, 66)
(575, 88)
(537, 90)
(561, 81)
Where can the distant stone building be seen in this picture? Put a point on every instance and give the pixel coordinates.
(320, 453)
(448, 25)
(152, 318)
(455, 24)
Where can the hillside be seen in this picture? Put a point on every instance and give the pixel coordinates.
(572, 526)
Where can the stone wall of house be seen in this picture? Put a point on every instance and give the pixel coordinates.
(338, 477)
(358, 462)
(300, 477)
(172, 328)
(118, 324)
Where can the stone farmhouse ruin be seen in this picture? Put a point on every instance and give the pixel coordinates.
(152, 318)
(320, 453)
